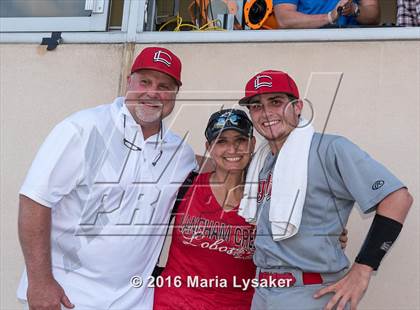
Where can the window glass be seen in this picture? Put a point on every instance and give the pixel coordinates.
(194, 14)
(116, 16)
(43, 8)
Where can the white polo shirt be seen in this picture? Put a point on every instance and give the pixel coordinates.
(110, 205)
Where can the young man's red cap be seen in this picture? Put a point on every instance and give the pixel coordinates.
(269, 81)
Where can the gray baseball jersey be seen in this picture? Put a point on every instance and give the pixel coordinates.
(339, 174)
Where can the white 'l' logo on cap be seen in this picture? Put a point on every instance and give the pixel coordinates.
(263, 80)
(161, 56)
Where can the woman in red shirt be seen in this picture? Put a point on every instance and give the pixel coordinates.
(210, 259)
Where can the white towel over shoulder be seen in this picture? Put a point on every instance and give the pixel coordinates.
(289, 179)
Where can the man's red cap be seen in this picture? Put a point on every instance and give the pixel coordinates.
(159, 59)
(269, 81)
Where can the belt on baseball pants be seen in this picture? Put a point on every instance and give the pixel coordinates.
(289, 277)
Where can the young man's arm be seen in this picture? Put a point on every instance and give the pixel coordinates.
(352, 287)
(287, 16)
(34, 225)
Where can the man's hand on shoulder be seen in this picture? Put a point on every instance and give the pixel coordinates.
(47, 295)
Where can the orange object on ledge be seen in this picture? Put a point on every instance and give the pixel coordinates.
(259, 14)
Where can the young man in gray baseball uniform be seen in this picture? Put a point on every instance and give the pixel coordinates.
(322, 176)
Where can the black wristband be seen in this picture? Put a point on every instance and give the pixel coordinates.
(382, 234)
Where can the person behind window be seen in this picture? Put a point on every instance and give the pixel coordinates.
(317, 13)
(408, 13)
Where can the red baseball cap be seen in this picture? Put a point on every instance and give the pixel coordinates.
(159, 59)
(269, 81)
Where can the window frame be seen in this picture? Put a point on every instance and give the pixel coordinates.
(133, 31)
(94, 22)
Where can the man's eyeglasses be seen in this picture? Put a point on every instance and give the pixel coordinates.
(133, 147)
(130, 145)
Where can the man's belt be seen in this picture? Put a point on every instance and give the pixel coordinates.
(287, 279)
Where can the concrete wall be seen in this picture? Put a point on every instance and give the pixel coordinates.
(377, 107)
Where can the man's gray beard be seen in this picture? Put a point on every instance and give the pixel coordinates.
(147, 118)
